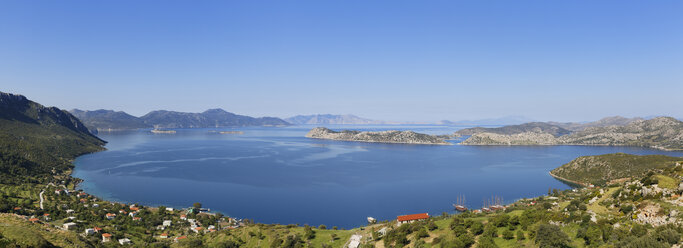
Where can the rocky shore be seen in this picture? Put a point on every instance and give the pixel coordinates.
(402, 137)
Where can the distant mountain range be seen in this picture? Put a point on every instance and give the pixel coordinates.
(102, 120)
(108, 120)
(507, 120)
(321, 119)
(333, 119)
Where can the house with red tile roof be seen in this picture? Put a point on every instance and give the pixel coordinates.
(179, 238)
(106, 237)
(411, 218)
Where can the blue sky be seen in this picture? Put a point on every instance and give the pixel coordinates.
(391, 60)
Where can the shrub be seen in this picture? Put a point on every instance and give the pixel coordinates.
(551, 236)
(507, 234)
(520, 235)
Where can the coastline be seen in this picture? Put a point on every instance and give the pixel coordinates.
(651, 147)
(385, 142)
(568, 180)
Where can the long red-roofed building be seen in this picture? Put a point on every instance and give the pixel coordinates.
(411, 218)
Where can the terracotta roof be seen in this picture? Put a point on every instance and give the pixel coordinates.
(17, 208)
(46, 214)
(33, 219)
(413, 217)
(106, 235)
(181, 237)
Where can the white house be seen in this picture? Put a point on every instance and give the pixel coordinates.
(70, 211)
(125, 241)
(69, 226)
(106, 237)
(167, 223)
(354, 242)
(89, 231)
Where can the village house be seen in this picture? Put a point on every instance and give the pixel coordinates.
(137, 218)
(179, 238)
(167, 223)
(411, 218)
(89, 231)
(197, 229)
(183, 217)
(34, 220)
(354, 242)
(106, 237)
(47, 217)
(111, 216)
(69, 226)
(70, 211)
(133, 214)
(125, 241)
(97, 229)
(163, 236)
(59, 191)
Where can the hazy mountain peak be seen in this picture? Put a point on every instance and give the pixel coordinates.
(316, 119)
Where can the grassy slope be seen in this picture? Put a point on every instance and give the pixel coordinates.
(26, 234)
(601, 169)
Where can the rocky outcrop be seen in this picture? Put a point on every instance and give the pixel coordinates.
(661, 133)
(403, 137)
(526, 138)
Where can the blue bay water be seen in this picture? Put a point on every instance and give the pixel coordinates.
(276, 175)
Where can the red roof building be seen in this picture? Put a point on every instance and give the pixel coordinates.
(411, 218)
(106, 237)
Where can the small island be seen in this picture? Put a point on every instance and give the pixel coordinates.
(162, 131)
(227, 132)
(393, 136)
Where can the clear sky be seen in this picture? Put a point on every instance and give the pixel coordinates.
(391, 60)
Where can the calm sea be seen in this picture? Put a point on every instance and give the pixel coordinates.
(276, 175)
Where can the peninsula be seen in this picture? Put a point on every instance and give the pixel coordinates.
(392, 136)
(664, 133)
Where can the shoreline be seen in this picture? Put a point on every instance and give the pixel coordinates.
(385, 142)
(568, 180)
(601, 145)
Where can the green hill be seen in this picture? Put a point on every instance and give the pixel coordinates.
(38, 141)
(601, 169)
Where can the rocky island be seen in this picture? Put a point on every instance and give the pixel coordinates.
(393, 136)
